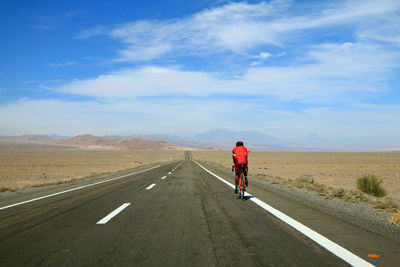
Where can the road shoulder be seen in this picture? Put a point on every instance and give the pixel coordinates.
(325, 219)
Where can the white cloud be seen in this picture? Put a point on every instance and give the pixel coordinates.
(264, 55)
(241, 27)
(387, 31)
(147, 81)
(357, 13)
(330, 71)
(134, 53)
(260, 58)
(234, 27)
(62, 64)
(94, 31)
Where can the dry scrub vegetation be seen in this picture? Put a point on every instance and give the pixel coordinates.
(23, 168)
(331, 175)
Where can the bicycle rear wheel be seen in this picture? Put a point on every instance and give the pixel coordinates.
(242, 180)
(242, 186)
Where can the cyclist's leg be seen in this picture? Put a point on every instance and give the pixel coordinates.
(236, 182)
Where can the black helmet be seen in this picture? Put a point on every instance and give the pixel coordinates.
(239, 143)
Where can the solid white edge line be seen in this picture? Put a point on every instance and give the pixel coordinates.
(331, 246)
(113, 214)
(77, 188)
(150, 186)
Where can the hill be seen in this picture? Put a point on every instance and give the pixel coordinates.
(225, 139)
(86, 141)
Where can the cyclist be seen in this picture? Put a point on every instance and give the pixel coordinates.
(239, 156)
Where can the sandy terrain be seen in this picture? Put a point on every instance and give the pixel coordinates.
(25, 168)
(338, 170)
(22, 168)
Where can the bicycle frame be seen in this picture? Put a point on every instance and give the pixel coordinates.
(242, 184)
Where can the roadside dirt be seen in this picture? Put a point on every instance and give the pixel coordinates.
(27, 168)
(336, 170)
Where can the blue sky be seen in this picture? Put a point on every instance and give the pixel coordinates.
(284, 68)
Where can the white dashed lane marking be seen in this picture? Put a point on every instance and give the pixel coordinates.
(113, 214)
(150, 186)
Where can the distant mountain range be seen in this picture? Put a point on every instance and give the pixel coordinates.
(31, 138)
(92, 142)
(222, 139)
(225, 139)
(214, 139)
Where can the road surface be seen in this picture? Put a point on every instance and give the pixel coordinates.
(177, 214)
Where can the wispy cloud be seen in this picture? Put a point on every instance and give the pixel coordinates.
(44, 27)
(235, 27)
(147, 81)
(62, 64)
(242, 27)
(260, 58)
(330, 71)
(94, 31)
(44, 22)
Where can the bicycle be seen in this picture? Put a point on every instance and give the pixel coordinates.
(242, 183)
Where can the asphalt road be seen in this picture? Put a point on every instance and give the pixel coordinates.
(172, 216)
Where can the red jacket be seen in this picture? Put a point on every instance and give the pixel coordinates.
(240, 153)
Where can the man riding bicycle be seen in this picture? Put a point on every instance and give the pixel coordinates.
(239, 156)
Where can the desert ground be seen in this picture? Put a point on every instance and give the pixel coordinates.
(27, 168)
(337, 170)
